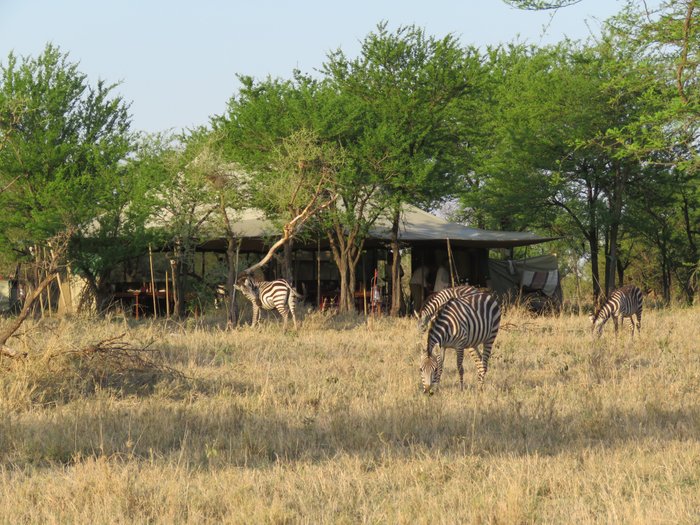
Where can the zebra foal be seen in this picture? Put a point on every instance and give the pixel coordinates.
(270, 295)
(461, 323)
(436, 300)
(623, 302)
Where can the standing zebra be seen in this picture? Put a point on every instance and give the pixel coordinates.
(461, 323)
(435, 301)
(270, 295)
(623, 302)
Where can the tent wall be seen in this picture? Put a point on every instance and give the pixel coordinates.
(506, 277)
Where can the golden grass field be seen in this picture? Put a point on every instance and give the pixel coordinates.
(329, 425)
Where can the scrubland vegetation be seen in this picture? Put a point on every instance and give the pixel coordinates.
(329, 424)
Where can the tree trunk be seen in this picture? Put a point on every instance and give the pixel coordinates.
(287, 266)
(89, 294)
(606, 251)
(665, 280)
(595, 272)
(103, 295)
(690, 232)
(620, 272)
(665, 262)
(611, 262)
(232, 261)
(395, 265)
(592, 193)
(346, 256)
(178, 272)
(616, 215)
(346, 299)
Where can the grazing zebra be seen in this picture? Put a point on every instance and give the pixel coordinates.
(623, 302)
(434, 303)
(270, 295)
(461, 323)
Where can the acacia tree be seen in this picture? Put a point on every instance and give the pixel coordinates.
(669, 39)
(184, 202)
(62, 139)
(413, 97)
(656, 60)
(230, 190)
(271, 131)
(191, 193)
(529, 171)
(117, 234)
(556, 158)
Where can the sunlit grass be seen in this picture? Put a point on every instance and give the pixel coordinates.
(329, 425)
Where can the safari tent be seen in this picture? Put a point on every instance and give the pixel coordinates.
(425, 240)
(428, 239)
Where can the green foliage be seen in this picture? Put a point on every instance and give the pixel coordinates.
(412, 98)
(180, 191)
(277, 132)
(63, 140)
(600, 139)
(596, 142)
(540, 5)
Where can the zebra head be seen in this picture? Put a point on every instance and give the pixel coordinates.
(247, 287)
(597, 322)
(428, 372)
(421, 322)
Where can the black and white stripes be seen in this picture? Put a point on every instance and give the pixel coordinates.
(461, 323)
(623, 302)
(269, 295)
(435, 301)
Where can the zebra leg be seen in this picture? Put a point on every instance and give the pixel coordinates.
(614, 318)
(292, 308)
(256, 315)
(441, 363)
(485, 356)
(639, 322)
(460, 367)
(476, 356)
(285, 316)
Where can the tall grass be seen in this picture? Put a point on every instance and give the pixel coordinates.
(329, 425)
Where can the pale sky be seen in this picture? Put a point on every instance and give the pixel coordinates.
(177, 60)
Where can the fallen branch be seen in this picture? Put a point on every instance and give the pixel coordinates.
(9, 352)
(119, 357)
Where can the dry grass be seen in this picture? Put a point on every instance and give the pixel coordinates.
(329, 425)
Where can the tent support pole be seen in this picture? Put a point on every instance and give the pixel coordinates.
(318, 272)
(451, 261)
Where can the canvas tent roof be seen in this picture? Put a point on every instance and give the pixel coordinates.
(416, 226)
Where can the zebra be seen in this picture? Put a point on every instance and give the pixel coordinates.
(461, 323)
(623, 302)
(270, 295)
(435, 301)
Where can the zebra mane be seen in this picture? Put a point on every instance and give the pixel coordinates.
(436, 302)
(428, 360)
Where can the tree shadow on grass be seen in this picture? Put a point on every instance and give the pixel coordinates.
(240, 437)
